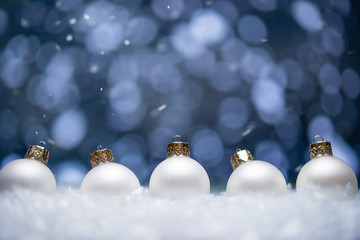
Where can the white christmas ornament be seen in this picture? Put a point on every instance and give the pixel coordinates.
(30, 173)
(254, 176)
(325, 172)
(109, 177)
(179, 176)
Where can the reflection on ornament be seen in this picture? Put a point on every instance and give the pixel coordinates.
(254, 176)
(179, 175)
(30, 172)
(325, 172)
(109, 177)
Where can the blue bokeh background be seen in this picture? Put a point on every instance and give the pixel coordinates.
(129, 75)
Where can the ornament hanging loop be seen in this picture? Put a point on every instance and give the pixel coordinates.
(318, 136)
(99, 147)
(177, 137)
(43, 143)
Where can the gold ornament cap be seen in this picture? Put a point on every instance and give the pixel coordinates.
(101, 156)
(38, 152)
(319, 148)
(178, 147)
(241, 156)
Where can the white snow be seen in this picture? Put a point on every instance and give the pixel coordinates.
(71, 214)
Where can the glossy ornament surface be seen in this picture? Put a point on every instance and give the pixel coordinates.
(109, 177)
(326, 172)
(179, 175)
(254, 177)
(30, 173)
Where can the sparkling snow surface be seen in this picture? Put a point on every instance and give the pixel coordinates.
(70, 214)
